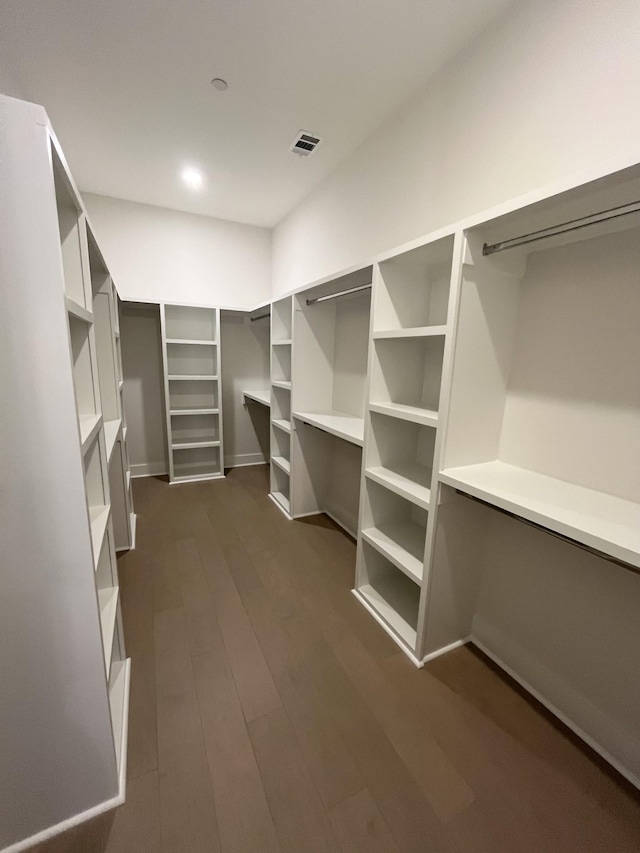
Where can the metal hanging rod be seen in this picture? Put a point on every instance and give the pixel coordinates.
(260, 317)
(564, 227)
(340, 293)
(553, 533)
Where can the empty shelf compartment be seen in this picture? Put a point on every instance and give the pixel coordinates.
(407, 374)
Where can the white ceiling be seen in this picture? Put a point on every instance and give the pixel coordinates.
(126, 84)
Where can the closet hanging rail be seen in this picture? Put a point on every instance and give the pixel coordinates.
(260, 317)
(563, 227)
(560, 536)
(339, 293)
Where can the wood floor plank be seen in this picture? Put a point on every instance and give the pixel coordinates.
(255, 686)
(359, 826)
(300, 819)
(187, 816)
(244, 819)
(136, 825)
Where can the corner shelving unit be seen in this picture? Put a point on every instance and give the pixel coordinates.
(71, 678)
(281, 384)
(191, 361)
(410, 342)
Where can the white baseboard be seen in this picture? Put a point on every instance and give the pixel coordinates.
(149, 469)
(445, 649)
(603, 734)
(243, 460)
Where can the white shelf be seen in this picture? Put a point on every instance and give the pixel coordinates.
(415, 414)
(119, 701)
(401, 542)
(598, 520)
(262, 397)
(418, 332)
(194, 442)
(111, 430)
(282, 463)
(388, 602)
(99, 517)
(196, 411)
(282, 500)
(348, 427)
(281, 383)
(191, 343)
(89, 428)
(283, 343)
(411, 481)
(192, 378)
(285, 426)
(108, 603)
(78, 311)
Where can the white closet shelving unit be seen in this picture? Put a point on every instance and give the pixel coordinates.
(281, 382)
(331, 332)
(61, 619)
(193, 399)
(413, 309)
(107, 333)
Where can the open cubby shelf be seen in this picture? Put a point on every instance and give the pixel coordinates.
(407, 374)
(348, 427)
(400, 456)
(392, 596)
(190, 323)
(396, 528)
(413, 288)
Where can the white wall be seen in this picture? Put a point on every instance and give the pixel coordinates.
(245, 367)
(143, 389)
(161, 255)
(550, 89)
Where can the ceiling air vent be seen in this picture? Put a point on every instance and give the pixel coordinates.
(305, 143)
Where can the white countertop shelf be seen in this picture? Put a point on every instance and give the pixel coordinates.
(261, 397)
(604, 522)
(348, 427)
(417, 332)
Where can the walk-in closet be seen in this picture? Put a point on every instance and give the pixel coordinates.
(320, 432)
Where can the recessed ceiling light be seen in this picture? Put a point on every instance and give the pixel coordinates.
(192, 177)
(219, 84)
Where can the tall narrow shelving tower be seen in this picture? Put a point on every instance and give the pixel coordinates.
(107, 334)
(69, 676)
(412, 321)
(281, 350)
(191, 359)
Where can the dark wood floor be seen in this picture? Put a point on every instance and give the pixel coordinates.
(270, 713)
